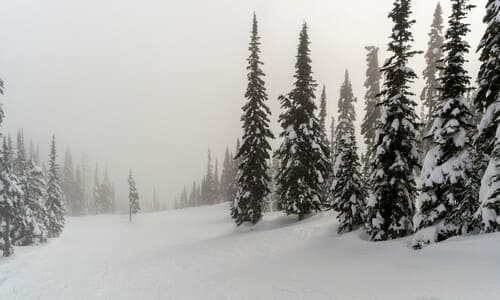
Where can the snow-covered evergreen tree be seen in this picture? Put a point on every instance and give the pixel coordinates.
(372, 109)
(431, 73)
(133, 196)
(79, 205)
(253, 179)
(68, 181)
(440, 205)
(348, 192)
(55, 196)
(105, 194)
(390, 206)
(227, 177)
(488, 102)
(333, 142)
(96, 195)
(322, 109)
(305, 158)
(10, 197)
(35, 219)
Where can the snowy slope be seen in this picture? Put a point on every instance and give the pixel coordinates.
(196, 253)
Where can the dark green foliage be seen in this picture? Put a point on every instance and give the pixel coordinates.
(304, 156)
(133, 196)
(348, 192)
(391, 204)
(446, 166)
(372, 108)
(55, 196)
(253, 155)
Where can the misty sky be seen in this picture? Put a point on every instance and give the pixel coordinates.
(151, 84)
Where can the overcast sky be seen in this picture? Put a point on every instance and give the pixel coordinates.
(151, 84)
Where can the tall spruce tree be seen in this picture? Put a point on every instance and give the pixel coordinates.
(333, 142)
(68, 181)
(10, 197)
(322, 109)
(442, 181)
(348, 191)
(304, 156)
(105, 193)
(55, 195)
(96, 195)
(431, 73)
(226, 180)
(390, 206)
(253, 179)
(372, 109)
(133, 196)
(35, 194)
(488, 102)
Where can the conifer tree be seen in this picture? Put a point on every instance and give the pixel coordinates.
(431, 73)
(133, 196)
(322, 109)
(443, 177)
(253, 179)
(216, 183)
(305, 158)
(347, 190)
(105, 194)
(36, 219)
(10, 197)
(488, 101)
(227, 179)
(78, 193)
(372, 109)
(97, 191)
(333, 142)
(156, 203)
(55, 196)
(390, 206)
(21, 157)
(68, 181)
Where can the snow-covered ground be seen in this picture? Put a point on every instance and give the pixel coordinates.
(198, 254)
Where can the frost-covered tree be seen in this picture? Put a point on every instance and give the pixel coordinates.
(106, 194)
(133, 196)
(304, 156)
(348, 192)
(79, 204)
(372, 109)
(55, 196)
(253, 179)
(20, 160)
(35, 219)
(322, 109)
(96, 195)
(431, 73)
(68, 181)
(332, 138)
(488, 102)
(10, 197)
(227, 178)
(390, 206)
(442, 181)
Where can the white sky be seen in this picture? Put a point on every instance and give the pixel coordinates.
(151, 84)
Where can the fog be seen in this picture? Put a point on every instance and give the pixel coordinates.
(151, 85)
